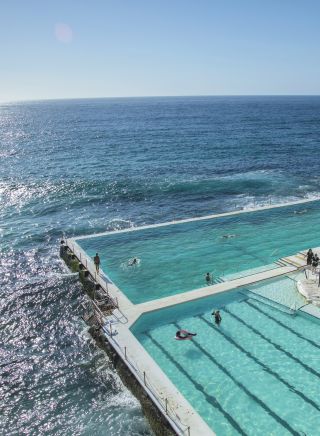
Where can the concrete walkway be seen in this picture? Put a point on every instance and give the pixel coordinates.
(159, 387)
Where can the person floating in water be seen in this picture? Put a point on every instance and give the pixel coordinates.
(228, 236)
(96, 261)
(182, 335)
(208, 279)
(217, 317)
(132, 262)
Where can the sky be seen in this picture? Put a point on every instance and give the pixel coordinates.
(116, 48)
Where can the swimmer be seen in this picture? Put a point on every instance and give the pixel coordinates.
(132, 262)
(228, 236)
(208, 279)
(217, 317)
(184, 334)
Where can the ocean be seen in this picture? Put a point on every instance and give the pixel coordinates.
(74, 167)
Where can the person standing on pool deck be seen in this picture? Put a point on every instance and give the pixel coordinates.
(217, 317)
(315, 263)
(96, 261)
(309, 256)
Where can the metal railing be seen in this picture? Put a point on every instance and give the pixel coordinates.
(90, 266)
(161, 402)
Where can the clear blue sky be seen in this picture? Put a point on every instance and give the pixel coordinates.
(105, 48)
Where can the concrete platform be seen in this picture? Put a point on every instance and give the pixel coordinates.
(179, 413)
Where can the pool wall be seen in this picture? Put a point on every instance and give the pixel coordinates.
(206, 217)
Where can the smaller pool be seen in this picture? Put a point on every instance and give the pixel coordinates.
(256, 374)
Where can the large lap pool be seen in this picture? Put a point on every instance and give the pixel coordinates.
(175, 258)
(256, 374)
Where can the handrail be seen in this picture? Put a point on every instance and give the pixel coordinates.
(77, 251)
(143, 379)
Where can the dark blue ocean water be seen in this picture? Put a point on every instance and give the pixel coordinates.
(83, 166)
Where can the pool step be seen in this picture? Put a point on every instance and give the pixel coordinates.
(217, 280)
(268, 302)
(295, 261)
(281, 263)
(302, 256)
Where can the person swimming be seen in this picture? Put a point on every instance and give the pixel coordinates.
(182, 335)
(217, 317)
(133, 262)
(228, 236)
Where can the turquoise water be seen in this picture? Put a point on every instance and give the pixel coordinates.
(175, 258)
(235, 375)
(282, 290)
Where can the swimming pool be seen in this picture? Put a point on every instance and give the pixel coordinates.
(256, 374)
(175, 258)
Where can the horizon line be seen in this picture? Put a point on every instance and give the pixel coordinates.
(153, 96)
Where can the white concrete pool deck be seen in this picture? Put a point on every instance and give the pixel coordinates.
(180, 413)
(156, 382)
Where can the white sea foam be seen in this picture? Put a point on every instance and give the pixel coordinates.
(313, 195)
(63, 275)
(251, 175)
(251, 203)
(119, 224)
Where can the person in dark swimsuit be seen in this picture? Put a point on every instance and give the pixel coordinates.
(96, 261)
(208, 279)
(309, 257)
(315, 263)
(217, 317)
(134, 261)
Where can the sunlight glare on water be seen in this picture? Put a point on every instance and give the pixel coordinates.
(86, 166)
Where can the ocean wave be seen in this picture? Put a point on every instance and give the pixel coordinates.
(313, 195)
(50, 198)
(251, 203)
